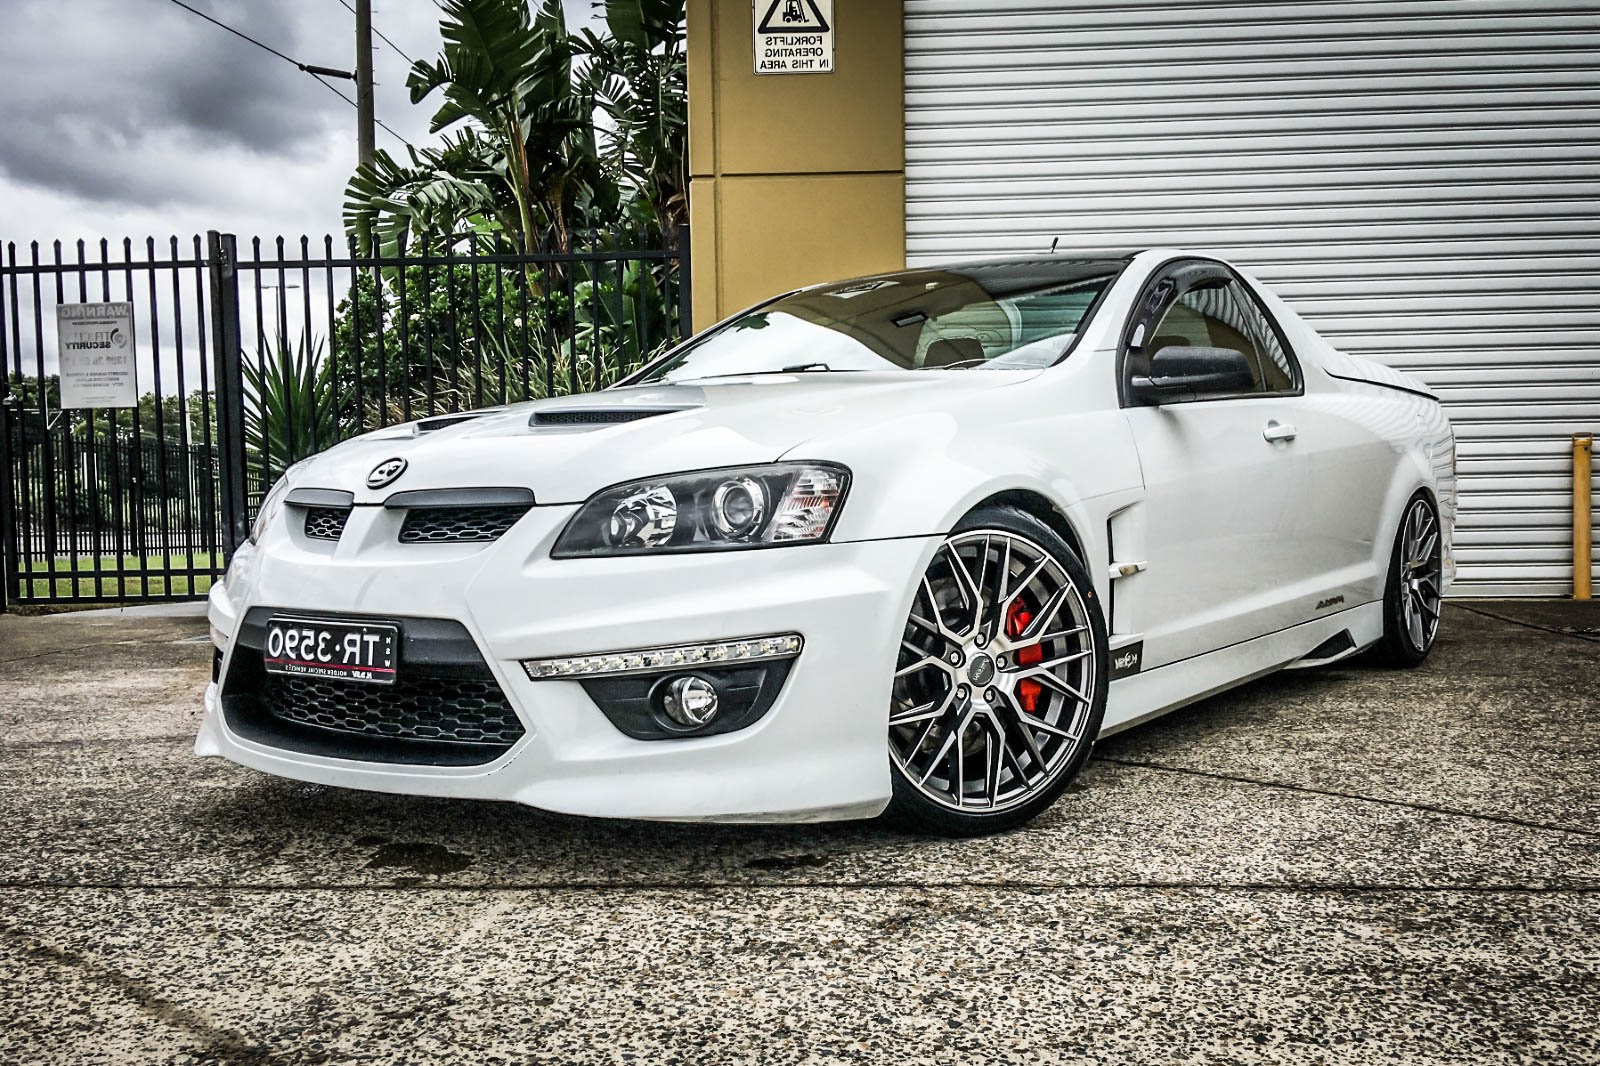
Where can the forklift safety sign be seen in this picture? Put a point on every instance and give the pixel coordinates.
(793, 36)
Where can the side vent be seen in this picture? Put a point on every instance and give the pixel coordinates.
(1339, 646)
(1111, 598)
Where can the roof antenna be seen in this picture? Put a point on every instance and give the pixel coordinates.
(1053, 245)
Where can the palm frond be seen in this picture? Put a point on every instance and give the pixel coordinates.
(290, 405)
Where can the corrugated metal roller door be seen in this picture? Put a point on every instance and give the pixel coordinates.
(1421, 180)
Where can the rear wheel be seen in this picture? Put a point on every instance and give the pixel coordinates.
(1001, 681)
(1412, 599)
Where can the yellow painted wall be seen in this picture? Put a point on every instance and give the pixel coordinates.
(794, 178)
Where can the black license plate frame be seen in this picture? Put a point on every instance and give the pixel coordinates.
(337, 649)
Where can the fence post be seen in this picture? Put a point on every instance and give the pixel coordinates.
(10, 562)
(685, 302)
(222, 256)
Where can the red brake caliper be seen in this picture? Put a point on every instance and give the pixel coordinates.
(1028, 690)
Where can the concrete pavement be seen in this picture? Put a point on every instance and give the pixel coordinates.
(1344, 865)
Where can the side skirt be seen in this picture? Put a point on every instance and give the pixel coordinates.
(1137, 699)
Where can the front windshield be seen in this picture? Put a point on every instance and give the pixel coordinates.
(1019, 316)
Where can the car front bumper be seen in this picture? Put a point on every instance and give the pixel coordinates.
(819, 753)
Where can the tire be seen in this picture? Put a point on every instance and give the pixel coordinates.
(1412, 599)
(999, 692)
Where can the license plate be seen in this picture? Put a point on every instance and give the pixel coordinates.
(350, 651)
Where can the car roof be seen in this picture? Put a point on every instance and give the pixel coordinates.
(997, 277)
(1000, 276)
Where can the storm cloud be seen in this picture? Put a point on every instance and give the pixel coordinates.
(138, 118)
(112, 101)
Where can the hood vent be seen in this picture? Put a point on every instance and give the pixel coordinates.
(595, 416)
(429, 425)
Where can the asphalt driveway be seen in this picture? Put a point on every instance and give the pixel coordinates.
(1346, 866)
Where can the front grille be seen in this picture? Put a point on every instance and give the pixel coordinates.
(445, 708)
(442, 709)
(326, 523)
(450, 525)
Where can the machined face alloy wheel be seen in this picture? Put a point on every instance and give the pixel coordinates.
(1420, 572)
(995, 679)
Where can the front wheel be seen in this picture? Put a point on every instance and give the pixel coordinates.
(1000, 686)
(1412, 598)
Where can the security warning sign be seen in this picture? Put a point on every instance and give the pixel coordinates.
(95, 351)
(793, 36)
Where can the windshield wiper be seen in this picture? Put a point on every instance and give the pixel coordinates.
(798, 368)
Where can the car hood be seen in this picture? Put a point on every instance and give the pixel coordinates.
(567, 448)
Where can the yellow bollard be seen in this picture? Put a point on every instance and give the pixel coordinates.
(1582, 518)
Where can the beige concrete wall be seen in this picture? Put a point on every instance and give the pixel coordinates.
(794, 178)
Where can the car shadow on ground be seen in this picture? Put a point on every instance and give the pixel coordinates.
(288, 829)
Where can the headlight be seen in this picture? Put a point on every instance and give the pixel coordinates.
(710, 510)
(272, 503)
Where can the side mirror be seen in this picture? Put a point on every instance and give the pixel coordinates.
(1183, 372)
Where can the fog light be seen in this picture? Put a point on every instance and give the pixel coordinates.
(690, 701)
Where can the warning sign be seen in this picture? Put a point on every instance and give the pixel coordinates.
(96, 355)
(793, 36)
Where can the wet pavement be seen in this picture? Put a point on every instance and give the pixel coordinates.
(1341, 865)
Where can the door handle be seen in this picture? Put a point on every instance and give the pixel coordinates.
(1278, 431)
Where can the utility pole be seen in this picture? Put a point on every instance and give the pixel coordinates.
(365, 129)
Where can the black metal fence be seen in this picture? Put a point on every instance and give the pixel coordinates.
(249, 359)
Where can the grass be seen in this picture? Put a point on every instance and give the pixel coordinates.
(118, 577)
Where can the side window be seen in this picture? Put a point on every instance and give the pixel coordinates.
(1226, 316)
(1182, 324)
(1277, 368)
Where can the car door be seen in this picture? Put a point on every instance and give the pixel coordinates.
(1344, 462)
(1215, 528)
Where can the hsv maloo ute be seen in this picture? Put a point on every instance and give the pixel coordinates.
(908, 542)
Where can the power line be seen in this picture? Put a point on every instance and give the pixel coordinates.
(380, 33)
(311, 69)
(335, 91)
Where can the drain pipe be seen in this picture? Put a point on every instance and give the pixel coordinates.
(1582, 518)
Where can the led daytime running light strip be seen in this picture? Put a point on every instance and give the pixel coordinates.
(655, 660)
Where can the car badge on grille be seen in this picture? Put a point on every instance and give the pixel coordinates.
(386, 473)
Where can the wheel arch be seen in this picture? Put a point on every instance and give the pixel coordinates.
(1411, 477)
(1044, 509)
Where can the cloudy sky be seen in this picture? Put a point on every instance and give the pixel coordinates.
(136, 118)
